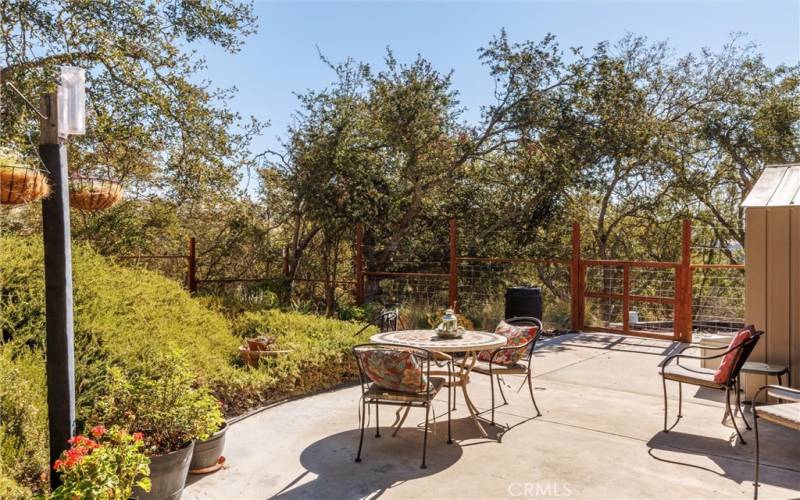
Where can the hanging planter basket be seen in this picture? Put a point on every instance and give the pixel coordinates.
(93, 193)
(19, 182)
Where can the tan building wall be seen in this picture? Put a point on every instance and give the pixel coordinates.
(772, 288)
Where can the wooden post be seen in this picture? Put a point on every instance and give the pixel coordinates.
(359, 264)
(575, 281)
(60, 361)
(686, 282)
(191, 274)
(453, 285)
(626, 299)
(285, 261)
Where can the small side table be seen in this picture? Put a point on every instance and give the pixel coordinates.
(769, 370)
(777, 371)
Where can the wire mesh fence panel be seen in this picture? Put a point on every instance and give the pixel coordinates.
(605, 279)
(718, 300)
(482, 285)
(717, 279)
(603, 313)
(652, 282)
(652, 317)
(648, 315)
(310, 293)
(421, 299)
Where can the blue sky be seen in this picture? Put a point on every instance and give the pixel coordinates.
(282, 58)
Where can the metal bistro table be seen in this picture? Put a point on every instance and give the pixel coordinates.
(471, 343)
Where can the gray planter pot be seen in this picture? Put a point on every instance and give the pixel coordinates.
(167, 475)
(207, 453)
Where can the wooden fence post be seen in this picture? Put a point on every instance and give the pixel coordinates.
(576, 286)
(359, 264)
(191, 273)
(453, 285)
(686, 278)
(626, 298)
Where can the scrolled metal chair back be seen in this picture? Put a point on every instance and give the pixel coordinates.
(422, 356)
(528, 321)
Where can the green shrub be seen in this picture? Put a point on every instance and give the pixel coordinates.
(23, 423)
(161, 402)
(11, 490)
(125, 319)
(320, 349)
(121, 315)
(231, 302)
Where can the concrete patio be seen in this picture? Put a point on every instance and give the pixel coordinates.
(600, 436)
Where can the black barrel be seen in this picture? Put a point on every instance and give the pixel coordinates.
(524, 301)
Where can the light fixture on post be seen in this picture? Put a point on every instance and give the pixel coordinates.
(71, 94)
(62, 114)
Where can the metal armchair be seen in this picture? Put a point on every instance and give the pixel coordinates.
(496, 371)
(783, 414)
(704, 377)
(386, 320)
(412, 386)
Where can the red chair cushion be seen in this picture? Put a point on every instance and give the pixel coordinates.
(516, 335)
(395, 370)
(723, 373)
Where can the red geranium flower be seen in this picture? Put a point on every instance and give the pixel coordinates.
(98, 430)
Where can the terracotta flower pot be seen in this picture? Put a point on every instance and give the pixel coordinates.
(207, 453)
(252, 357)
(259, 344)
(167, 475)
(90, 193)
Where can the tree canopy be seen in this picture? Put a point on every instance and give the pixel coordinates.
(626, 137)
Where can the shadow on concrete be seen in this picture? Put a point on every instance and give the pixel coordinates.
(386, 462)
(611, 342)
(735, 462)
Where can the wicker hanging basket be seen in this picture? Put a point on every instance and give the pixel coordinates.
(20, 182)
(93, 193)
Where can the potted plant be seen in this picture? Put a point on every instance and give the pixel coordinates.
(207, 456)
(19, 181)
(105, 464)
(259, 347)
(93, 193)
(171, 412)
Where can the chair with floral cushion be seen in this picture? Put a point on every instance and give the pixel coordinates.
(395, 375)
(725, 377)
(783, 414)
(522, 333)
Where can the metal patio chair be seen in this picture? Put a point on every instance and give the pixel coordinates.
(393, 375)
(783, 414)
(496, 370)
(704, 377)
(386, 320)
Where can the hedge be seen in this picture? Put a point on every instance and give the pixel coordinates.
(124, 317)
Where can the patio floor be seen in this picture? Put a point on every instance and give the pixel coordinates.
(599, 437)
